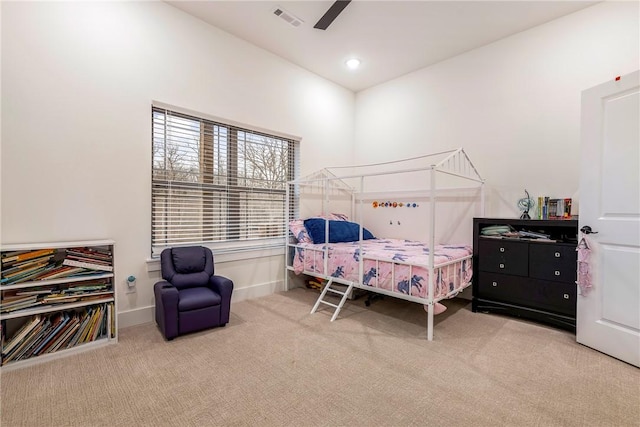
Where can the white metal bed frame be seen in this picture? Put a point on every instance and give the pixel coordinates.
(452, 162)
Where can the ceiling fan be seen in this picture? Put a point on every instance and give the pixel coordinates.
(331, 14)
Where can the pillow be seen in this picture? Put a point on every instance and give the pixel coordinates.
(335, 217)
(300, 232)
(339, 231)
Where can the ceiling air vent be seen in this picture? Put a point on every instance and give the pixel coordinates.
(287, 16)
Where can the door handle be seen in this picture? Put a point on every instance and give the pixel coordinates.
(587, 230)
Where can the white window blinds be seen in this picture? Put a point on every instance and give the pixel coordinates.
(218, 184)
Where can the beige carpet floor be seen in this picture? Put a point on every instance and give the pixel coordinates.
(275, 364)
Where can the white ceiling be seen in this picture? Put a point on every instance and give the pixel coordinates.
(392, 38)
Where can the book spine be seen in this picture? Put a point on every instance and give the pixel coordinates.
(55, 328)
(67, 335)
(87, 265)
(545, 208)
(20, 335)
(28, 255)
(567, 208)
(112, 324)
(540, 205)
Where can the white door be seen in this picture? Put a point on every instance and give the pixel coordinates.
(608, 316)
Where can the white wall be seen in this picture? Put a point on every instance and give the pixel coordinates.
(78, 80)
(514, 105)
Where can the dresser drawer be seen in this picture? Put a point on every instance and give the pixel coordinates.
(502, 287)
(503, 256)
(538, 294)
(554, 296)
(552, 262)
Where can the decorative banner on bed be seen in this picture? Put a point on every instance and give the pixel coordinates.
(379, 204)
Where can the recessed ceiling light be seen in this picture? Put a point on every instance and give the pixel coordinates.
(353, 63)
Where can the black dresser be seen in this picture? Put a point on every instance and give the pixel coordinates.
(529, 278)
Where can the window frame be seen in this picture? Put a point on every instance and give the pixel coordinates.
(232, 243)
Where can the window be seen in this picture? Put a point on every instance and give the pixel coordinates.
(216, 184)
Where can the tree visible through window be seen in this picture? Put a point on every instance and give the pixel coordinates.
(213, 182)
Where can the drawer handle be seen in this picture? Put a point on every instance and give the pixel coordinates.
(557, 272)
(494, 283)
(501, 265)
(557, 254)
(566, 296)
(501, 249)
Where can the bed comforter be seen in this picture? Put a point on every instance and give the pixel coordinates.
(395, 265)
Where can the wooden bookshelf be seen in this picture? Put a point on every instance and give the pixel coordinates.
(56, 299)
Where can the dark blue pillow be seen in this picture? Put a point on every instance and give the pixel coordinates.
(339, 231)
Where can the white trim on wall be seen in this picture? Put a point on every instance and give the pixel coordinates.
(153, 264)
(146, 314)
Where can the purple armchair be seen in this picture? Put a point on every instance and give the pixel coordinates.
(191, 297)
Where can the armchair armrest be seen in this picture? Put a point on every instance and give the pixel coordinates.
(166, 308)
(224, 287)
(221, 285)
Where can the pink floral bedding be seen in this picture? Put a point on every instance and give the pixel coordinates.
(391, 264)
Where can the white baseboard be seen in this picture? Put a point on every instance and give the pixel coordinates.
(257, 291)
(137, 316)
(142, 315)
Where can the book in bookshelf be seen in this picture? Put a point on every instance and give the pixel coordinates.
(61, 342)
(20, 335)
(545, 208)
(11, 302)
(23, 351)
(41, 312)
(67, 323)
(82, 329)
(87, 265)
(560, 208)
(8, 260)
(554, 208)
(567, 208)
(57, 322)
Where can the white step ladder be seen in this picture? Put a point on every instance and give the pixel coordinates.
(338, 307)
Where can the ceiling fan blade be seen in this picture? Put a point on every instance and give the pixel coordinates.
(331, 14)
